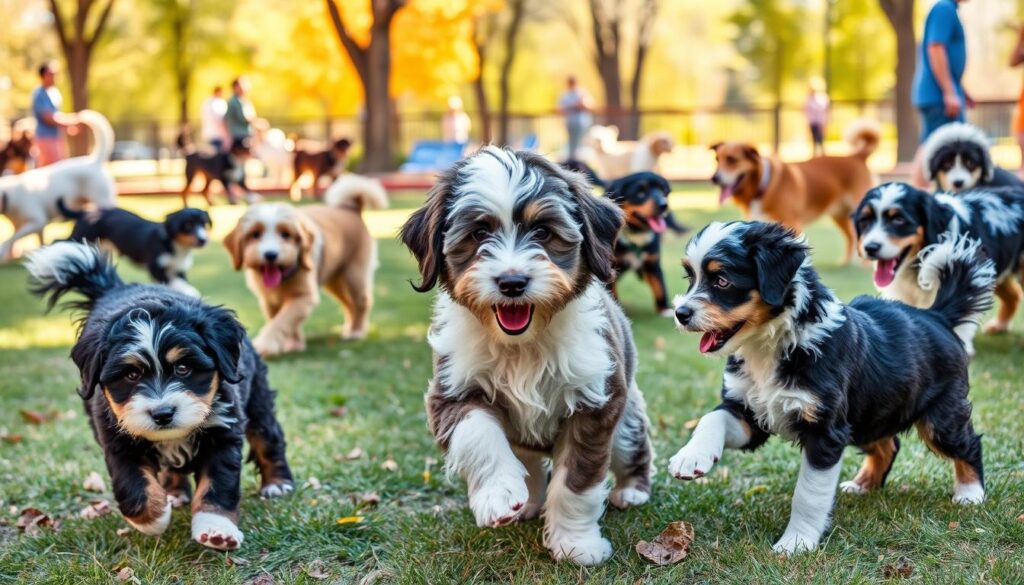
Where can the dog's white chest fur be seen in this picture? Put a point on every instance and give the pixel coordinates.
(177, 262)
(775, 406)
(562, 367)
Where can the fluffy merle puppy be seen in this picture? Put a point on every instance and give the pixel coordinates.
(895, 221)
(643, 198)
(180, 389)
(827, 375)
(533, 358)
(956, 157)
(164, 249)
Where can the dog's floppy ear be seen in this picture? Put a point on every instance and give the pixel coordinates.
(750, 151)
(935, 216)
(223, 336)
(423, 232)
(716, 146)
(988, 168)
(778, 254)
(601, 221)
(90, 357)
(234, 243)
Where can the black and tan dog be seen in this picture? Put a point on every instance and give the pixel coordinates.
(321, 163)
(16, 154)
(180, 389)
(227, 168)
(643, 198)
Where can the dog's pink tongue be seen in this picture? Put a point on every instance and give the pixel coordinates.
(271, 276)
(725, 194)
(657, 224)
(885, 272)
(513, 317)
(707, 341)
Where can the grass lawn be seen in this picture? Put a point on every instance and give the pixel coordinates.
(422, 530)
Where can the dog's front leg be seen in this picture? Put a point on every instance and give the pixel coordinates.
(715, 431)
(218, 491)
(814, 495)
(7, 248)
(283, 332)
(140, 496)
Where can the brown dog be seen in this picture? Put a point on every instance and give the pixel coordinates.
(288, 253)
(326, 163)
(796, 194)
(15, 155)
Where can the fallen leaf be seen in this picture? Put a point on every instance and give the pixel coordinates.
(125, 531)
(691, 424)
(407, 363)
(369, 499)
(339, 411)
(32, 520)
(390, 465)
(669, 547)
(659, 343)
(350, 520)
(755, 490)
(317, 570)
(261, 579)
(12, 439)
(1020, 518)
(313, 483)
(127, 575)
(33, 417)
(95, 510)
(426, 476)
(354, 454)
(94, 483)
(901, 569)
(954, 525)
(235, 561)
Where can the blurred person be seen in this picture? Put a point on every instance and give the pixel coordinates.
(938, 92)
(50, 122)
(576, 105)
(240, 112)
(816, 109)
(214, 130)
(1016, 60)
(455, 124)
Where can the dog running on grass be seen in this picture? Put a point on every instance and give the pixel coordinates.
(172, 388)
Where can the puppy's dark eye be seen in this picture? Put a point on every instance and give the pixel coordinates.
(541, 234)
(133, 375)
(255, 235)
(481, 234)
(181, 370)
(898, 221)
(722, 283)
(286, 236)
(970, 164)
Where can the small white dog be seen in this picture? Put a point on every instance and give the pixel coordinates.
(618, 158)
(29, 200)
(275, 150)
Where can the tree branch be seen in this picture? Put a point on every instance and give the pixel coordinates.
(58, 24)
(101, 24)
(356, 53)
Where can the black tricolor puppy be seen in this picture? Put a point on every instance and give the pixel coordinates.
(827, 375)
(227, 168)
(165, 249)
(180, 388)
(894, 221)
(643, 198)
(957, 157)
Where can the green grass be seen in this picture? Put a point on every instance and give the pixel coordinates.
(422, 530)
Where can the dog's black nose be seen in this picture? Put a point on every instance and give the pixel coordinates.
(270, 255)
(512, 285)
(959, 183)
(684, 314)
(162, 415)
(872, 249)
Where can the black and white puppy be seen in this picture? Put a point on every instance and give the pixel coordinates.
(165, 249)
(533, 358)
(827, 375)
(180, 388)
(895, 221)
(643, 198)
(957, 157)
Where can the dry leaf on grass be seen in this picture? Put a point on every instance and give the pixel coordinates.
(691, 424)
(261, 579)
(339, 411)
(32, 520)
(350, 520)
(1020, 518)
(127, 575)
(669, 547)
(354, 454)
(95, 510)
(34, 417)
(953, 525)
(317, 570)
(390, 465)
(94, 483)
(10, 438)
(232, 561)
(369, 499)
(313, 483)
(901, 569)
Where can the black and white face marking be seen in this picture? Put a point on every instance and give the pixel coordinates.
(158, 379)
(959, 172)
(956, 157)
(889, 229)
(643, 198)
(188, 227)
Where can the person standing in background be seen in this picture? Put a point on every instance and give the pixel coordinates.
(240, 113)
(1016, 60)
(50, 122)
(938, 93)
(455, 124)
(576, 105)
(214, 130)
(816, 111)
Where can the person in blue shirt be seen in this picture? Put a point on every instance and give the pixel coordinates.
(938, 92)
(50, 123)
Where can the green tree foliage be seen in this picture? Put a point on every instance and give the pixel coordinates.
(863, 51)
(780, 41)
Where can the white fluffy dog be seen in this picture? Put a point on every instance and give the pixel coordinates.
(29, 200)
(618, 158)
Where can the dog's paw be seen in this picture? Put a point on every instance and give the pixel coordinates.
(499, 502)
(215, 531)
(530, 511)
(354, 335)
(178, 499)
(156, 527)
(692, 462)
(586, 550)
(852, 487)
(968, 494)
(625, 497)
(276, 489)
(995, 327)
(793, 542)
(267, 345)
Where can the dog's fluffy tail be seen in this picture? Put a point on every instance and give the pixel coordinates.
(964, 275)
(102, 132)
(863, 137)
(358, 191)
(62, 267)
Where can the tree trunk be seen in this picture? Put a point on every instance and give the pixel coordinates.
(901, 16)
(504, 94)
(611, 82)
(377, 126)
(606, 22)
(78, 59)
(479, 89)
(645, 33)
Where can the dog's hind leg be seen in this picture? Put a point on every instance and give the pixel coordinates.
(632, 455)
(1009, 293)
(878, 460)
(655, 279)
(283, 333)
(26, 229)
(354, 289)
(266, 439)
(845, 225)
(953, 437)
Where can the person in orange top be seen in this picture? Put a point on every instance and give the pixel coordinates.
(1016, 59)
